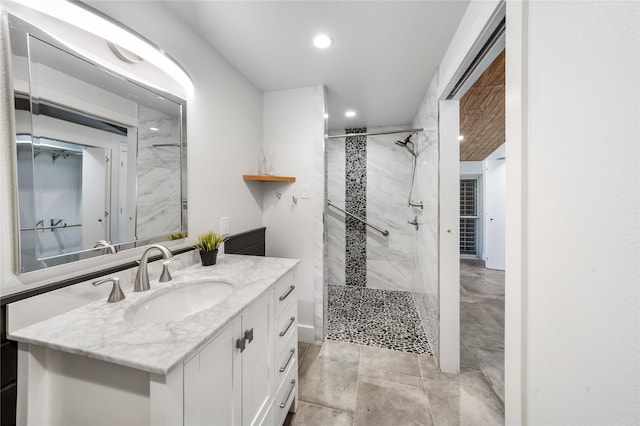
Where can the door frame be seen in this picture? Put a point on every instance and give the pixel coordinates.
(474, 26)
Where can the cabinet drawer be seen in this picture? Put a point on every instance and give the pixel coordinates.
(286, 394)
(287, 357)
(286, 326)
(285, 292)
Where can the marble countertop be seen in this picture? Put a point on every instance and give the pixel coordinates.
(99, 329)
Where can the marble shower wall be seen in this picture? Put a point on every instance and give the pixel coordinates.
(159, 207)
(389, 260)
(425, 254)
(334, 220)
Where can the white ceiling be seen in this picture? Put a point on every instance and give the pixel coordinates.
(384, 55)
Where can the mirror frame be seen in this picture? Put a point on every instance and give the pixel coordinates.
(76, 256)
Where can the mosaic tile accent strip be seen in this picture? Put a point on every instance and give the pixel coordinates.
(381, 318)
(355, 198)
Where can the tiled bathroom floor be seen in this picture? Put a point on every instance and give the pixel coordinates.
(379, 318)
(348, 384)
(482, 322)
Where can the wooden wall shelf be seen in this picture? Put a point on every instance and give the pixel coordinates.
(269, 178)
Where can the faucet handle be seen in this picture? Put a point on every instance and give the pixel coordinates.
(166, 275)
(116, 294)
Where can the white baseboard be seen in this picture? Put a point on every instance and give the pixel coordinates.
(306, 333)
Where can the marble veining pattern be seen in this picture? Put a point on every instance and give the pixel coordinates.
(380, 318)
(319, 203)
(427, 179)
(390, 261)
(334, 219)
(355, 199)
(159, 207)
(99, 330)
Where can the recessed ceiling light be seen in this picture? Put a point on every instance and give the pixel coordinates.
(322, 41)
(460, 138)
(350, 114)
(155, 129)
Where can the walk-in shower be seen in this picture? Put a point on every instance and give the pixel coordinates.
(370, 246)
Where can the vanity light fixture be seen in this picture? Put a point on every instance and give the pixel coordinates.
(322, 41)
(350, 114)
(84, 18)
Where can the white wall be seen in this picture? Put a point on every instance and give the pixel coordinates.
(579, 161)
(471, 168)
(294, 136)
(428, 249)
(224, 132)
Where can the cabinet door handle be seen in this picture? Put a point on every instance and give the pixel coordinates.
(287, 293)
(291, 321)
(240, 344)
(248, 335)
(286, 364)
(293, 385)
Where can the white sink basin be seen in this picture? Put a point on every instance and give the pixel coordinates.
(180, 302)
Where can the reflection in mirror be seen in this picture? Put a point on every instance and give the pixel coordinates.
(98, 156)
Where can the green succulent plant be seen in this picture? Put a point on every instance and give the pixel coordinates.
(178, 235)
(209, 241)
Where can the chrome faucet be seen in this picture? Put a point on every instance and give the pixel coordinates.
(116, 294)
(142, 277)
(106, 244)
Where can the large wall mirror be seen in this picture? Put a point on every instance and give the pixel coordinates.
(99, 157)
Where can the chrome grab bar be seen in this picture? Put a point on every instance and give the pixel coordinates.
(382, 231)
(52, 228)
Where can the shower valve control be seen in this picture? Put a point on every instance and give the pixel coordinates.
(414, 222)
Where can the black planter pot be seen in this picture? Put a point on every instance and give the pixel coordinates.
(209, 257)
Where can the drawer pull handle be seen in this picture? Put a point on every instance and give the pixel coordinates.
(291, 321)
(284, 296)
(286, 364)
(293, 386)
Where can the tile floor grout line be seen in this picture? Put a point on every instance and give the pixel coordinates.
(393, 383)
(324, 406)
(355, 407)
(426, 394)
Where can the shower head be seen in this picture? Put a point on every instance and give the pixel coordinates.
(404, 142)
(408, 145)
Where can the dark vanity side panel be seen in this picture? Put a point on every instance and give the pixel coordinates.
(8, 373)
(249, 243)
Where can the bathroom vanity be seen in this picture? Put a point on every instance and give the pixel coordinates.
(216, 345)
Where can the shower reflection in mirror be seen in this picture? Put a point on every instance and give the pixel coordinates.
(67, 191)
(100, 158)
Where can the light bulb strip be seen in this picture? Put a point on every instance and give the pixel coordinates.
(93, 21)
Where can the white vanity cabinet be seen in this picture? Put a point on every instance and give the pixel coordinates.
(286, 347)
(230, 382)
(242, 372)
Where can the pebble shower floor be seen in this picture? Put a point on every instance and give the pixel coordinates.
(381, 318)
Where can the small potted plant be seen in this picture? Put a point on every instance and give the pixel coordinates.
(208, 244)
